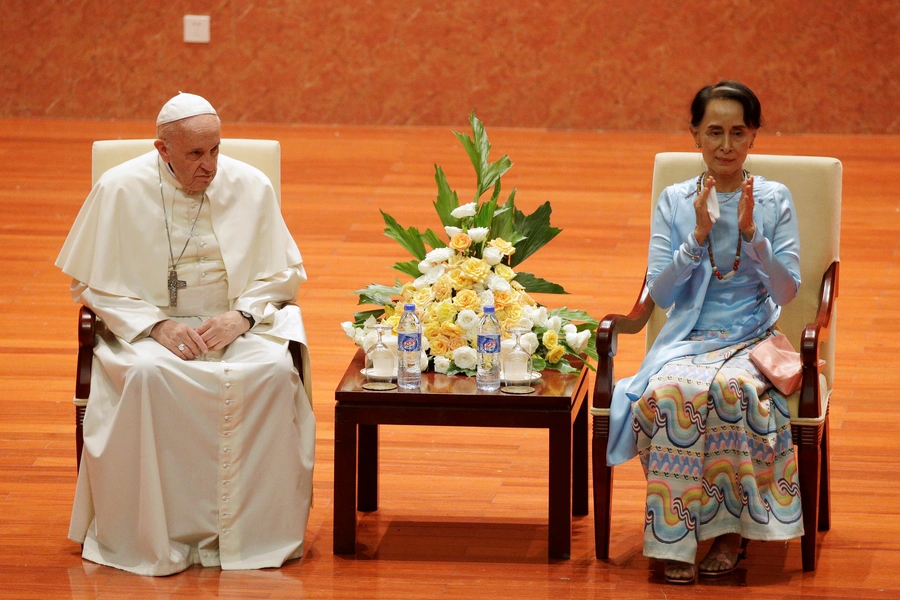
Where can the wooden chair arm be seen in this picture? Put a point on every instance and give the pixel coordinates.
(87, 330)
(813, 335)
(607, 339)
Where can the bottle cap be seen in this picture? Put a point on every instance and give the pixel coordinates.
(489, 309)
(409, 306)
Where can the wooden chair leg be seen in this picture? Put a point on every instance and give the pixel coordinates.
(602, 487)
(825, 480)
(809, 466)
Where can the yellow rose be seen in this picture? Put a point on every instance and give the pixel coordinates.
(393, 321)
(451, 330)
(457, 342)
(440, 346)
(476, 269)
(502, 299)
(431, 330)
(423, 297)
(444, 311)
(407, 291)
(458, 280)
(467, 299)
(461, 242)
(514, 311)
(555, 354)
(550, 340)
(503, 246)
(456, 259)
(508, 324)
(504, 272)
(525, 299)
(442, 288)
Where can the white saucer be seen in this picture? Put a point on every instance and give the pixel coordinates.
(535, 375)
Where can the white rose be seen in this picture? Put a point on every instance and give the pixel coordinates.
(538, 314)
(478, 234)
(426, 345)
(569, 328)
(497, 283)
(578, 341)
(370, 322)
(465, 357)
(467, 319)
(492, 256)
(505, 346)
(486, 298)
(466, 210)
(530, 342)
(423, 361)
(369, 340)
(439, 255)
(441, 364)
(348, 328)
(554, 323)
(425, 265)
(451, 231)
(526, 323)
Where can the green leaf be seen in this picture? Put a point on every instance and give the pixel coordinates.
(502, 224)
(479, 148)
(432, 239)
(454, 370)
(447, 200)
(379, 294)
(574, 315)
(410, 268)
(410, 238)
(536, 284)
(562, 366)
(537, 231)
(360, 318)
(538, 363)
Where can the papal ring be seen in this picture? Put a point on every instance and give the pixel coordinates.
(181, 347)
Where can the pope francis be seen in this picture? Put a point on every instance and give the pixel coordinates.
(199, 436)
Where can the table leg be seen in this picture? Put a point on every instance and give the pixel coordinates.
(580, 461)
(367, 491)
(560, 518)
(345, 450)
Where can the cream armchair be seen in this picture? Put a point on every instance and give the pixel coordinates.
(265, 155)
(809, 321)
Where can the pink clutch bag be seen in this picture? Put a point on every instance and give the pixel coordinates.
(778, 361)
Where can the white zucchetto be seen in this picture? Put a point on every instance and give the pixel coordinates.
(183, 106)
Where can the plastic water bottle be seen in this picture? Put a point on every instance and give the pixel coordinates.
(488, 376)
(409, 349)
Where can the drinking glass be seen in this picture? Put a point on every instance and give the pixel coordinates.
(517, 364)
(380, 361)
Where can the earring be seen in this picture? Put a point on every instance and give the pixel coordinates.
(751, 145)
(698, 145)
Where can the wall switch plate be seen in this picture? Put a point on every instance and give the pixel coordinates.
(196, 29)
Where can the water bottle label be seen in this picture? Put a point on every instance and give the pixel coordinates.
(409, 342)
(488, 344)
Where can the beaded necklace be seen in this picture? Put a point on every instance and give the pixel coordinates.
(737, 253)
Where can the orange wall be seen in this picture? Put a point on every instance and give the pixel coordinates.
(824, 66)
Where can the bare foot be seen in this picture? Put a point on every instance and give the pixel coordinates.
(679, 572)
(723, 555)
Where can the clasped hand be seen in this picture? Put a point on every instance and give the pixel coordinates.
(188, 342)
(745, 211)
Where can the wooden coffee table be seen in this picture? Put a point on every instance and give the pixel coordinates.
(558, 404)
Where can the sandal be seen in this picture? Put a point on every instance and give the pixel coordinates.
(679, 580)
(724, 556)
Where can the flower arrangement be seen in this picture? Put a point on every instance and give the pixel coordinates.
(478, 265)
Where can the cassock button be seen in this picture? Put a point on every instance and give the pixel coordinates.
(228, 417)
(226, 450)
(229, 402)
(228, 369)
(225, 465)
(224, 498)
(227, 385)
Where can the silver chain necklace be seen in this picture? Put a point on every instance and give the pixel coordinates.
(173, 283)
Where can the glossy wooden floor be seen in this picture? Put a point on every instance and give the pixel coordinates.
(463, 511)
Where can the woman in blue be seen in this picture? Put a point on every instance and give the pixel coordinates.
(712, 433)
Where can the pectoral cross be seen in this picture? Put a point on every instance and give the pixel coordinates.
(174, 285)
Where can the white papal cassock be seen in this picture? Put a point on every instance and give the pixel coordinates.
(206, 461)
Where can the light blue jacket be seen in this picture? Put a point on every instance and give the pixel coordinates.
(745, 306)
